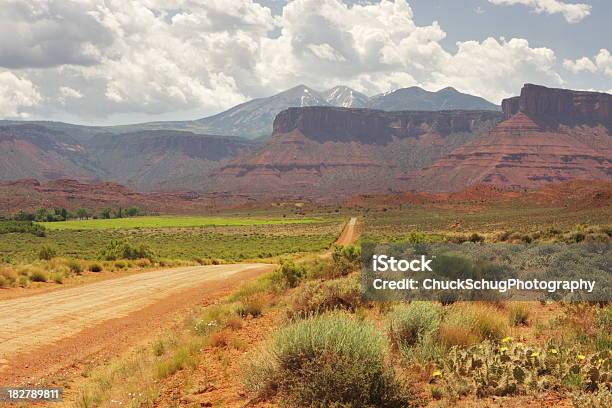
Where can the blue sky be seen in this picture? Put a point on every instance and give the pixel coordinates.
(134, 60)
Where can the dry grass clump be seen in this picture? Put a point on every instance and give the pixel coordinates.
(469, 323)
(317, 297)
(519, 313)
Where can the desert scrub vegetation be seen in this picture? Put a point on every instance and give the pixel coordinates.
(117, 250)
(472, 322)
(511, 368)
(413, 323)
(25, 227)
(316, 297)
(324, 361)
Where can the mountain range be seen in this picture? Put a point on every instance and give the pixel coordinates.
(254, 119)
(327, 152)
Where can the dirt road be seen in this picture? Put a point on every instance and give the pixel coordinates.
(349, 234)
(29, 323)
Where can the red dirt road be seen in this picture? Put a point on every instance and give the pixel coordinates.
(46, 332)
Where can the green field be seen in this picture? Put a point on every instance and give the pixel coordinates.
(170, 222)
(230, 243)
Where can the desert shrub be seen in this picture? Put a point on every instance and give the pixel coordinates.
(413, 323)
(95, 267)
(476, 238)
(125, 250)
(216, 317)
(46, 252)
(469, 323)
(518, 313)
(318, 297)
(8, 276)
(159, 348)
(75, 266)
(327, 361)
(38, 275)
(289, 273)
(23, 281)
(601, 398)
(143, 262)
(345, 259)
(263, 284)
(58, 277)
(251, 306)
(120, 264)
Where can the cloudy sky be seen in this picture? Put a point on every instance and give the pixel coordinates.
(125, 61)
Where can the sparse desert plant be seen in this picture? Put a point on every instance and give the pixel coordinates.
(95, 267)
(8, 276)
(47, 252)
(38, 275)
(412, 323)
(58, 277)
(518, 313)
(159, 348)
(329, 360)
(289, 273)
(251, 306)
(184, 357)
(23, 281)
(216, 317)
(318, 297)
(345, 259)
(75, 266)
(120, 264)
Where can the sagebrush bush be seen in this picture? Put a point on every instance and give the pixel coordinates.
(412, 323)
(290, 273)
(251, 306)
(318, 297)
(216, 317)
(326, 361)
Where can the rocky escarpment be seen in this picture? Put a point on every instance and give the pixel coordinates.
(550, 135)
(334, 152)
(325, 124)
(552, 106)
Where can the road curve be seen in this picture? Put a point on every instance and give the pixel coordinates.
(44, 318)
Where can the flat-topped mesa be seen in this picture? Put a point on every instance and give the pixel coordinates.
(552, 106)
(323, 124)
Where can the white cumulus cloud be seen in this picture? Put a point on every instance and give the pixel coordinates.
(602, 62)
(16, 93)
(572, 12)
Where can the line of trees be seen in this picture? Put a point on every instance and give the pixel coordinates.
(62, 214)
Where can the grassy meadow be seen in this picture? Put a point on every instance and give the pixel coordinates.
(171, 222)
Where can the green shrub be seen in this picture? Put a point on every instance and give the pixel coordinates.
(345, 259)
(46, 252)
(319, 297)
(58, 277)
(124, 250)
(327, 361)
(290, 273)
(216, 317)
(120, 264)
(411, 324)
(95, 267)
(476, 238)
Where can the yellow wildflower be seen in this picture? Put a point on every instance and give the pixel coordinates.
(535, 354)
(504, 348)
(519, 344)
(506, 339)
(580, 357)
(553, 351)
(436, 373)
